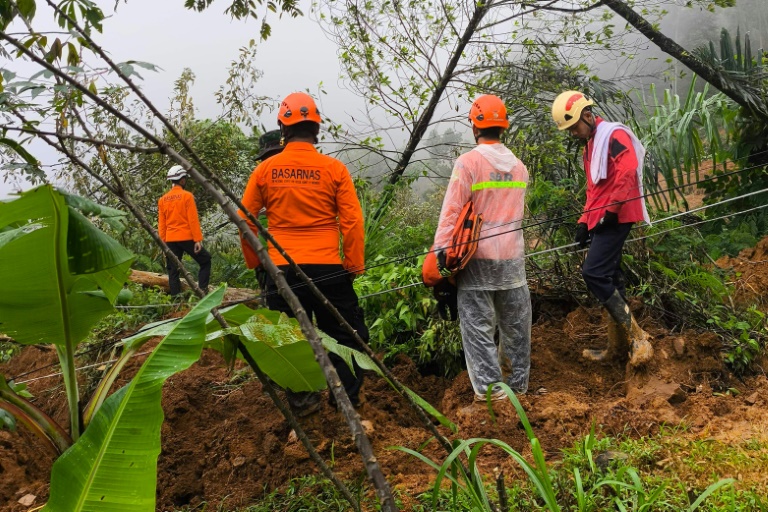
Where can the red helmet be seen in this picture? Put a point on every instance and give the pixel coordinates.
(489, 111)
(296, 108)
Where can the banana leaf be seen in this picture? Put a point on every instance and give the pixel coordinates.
(234, 315)
(59, 277)
(47, 273)
(279, 348)
(113, 467)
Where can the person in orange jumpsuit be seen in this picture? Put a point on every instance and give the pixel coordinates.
(179, 227)
(613, 161)
(312, 209)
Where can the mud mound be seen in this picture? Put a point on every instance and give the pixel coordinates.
(750, 275)
(224, 442)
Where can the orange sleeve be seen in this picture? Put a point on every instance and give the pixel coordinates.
(351, 223)
(194, 222)
(253, 202)
(161, 225)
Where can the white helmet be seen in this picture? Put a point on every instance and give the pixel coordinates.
(175, 173)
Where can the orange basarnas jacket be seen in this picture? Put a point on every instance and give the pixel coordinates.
(177, 217)
(311, 204)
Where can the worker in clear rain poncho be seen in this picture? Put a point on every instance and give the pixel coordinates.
(492, 288)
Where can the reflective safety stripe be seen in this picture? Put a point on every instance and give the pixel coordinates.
(498, 184)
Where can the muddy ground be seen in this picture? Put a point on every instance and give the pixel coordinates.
(224, 442)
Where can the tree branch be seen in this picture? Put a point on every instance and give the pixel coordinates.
(696, 65)
(89, 140)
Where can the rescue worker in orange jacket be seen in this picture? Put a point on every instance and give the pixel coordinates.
(613, 161)
(179, 227)
(492, 287)
(311, 206)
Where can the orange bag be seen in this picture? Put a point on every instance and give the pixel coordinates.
(464, 240)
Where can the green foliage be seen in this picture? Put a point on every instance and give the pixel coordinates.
(578, 484)
(310, 494)
(730, 239)
(114, 465)
(7, 421)
(682, 287)
(145, 305)
(68, 275)
(679, 134)
(747, 71)
(405, 321)
(246, 9)
(8, 349)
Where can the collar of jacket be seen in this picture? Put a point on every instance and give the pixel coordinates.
(300, 146)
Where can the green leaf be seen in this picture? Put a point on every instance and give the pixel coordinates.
(19, 150)
(65, 277)
(282, 352)
(7, 422)
(44, 299)
(111, 216)
(145, 65)
(27, 8)
(114, 465)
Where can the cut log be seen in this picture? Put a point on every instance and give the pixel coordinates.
(149, 279)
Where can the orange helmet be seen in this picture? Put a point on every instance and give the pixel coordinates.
(488, 111)
(566, 110)
(296, 108)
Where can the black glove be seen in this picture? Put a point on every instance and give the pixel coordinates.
(609, 220)
(441, 265)
(582, 235)
(447, 300)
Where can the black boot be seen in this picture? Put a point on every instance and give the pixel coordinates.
(630, 334)
(617, 350)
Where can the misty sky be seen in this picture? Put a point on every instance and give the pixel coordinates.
(297, 56)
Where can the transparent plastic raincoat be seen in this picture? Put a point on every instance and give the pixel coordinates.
(495, 179)
(492, 290)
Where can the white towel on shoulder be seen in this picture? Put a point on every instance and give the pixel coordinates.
(599, 161)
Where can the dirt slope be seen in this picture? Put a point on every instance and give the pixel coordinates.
(750, 275)
(224, 442)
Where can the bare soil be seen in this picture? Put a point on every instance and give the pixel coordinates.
(750, 275)
(225, 443)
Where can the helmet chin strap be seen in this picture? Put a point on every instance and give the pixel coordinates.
(591, 125)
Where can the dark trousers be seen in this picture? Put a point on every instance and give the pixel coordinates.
(602, 266)
(203, 259)
(339, 291)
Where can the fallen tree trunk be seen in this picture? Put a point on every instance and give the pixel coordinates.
(149, 279)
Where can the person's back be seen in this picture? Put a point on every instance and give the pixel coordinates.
(179, 227)
(492, 289)
(311, 206)
(496, 181)
(309, 198)
(176, 208)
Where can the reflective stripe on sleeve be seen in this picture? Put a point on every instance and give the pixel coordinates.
(498, 184)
